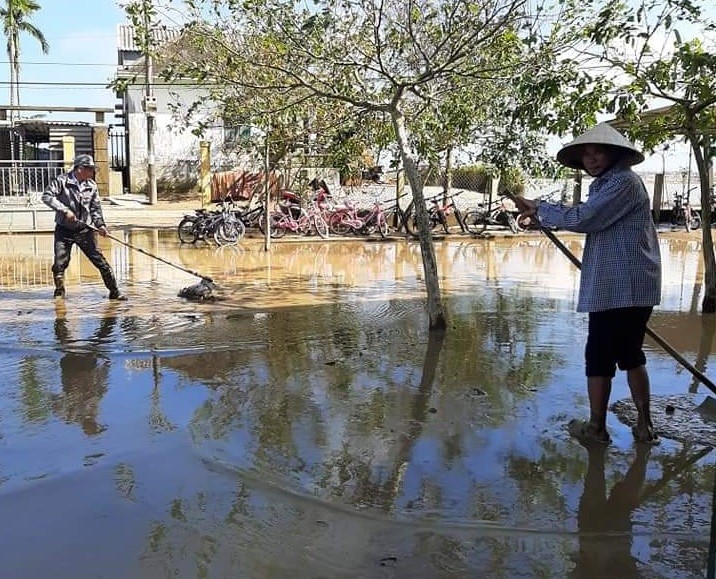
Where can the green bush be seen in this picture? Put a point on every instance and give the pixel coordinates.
(476, 178)
(512, 180)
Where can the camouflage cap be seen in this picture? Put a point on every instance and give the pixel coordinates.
(84, 161)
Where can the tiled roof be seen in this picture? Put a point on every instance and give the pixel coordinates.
(125, 36)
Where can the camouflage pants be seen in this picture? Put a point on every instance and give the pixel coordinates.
(87, 242)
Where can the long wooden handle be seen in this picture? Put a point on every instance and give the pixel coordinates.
(140, 250)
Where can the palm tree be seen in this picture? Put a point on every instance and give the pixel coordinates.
(15, 16)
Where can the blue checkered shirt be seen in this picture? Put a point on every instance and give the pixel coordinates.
(621, 263)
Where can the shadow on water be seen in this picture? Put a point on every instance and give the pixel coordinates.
(309, 425)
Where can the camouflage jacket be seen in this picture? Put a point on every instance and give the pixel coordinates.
(81, 197)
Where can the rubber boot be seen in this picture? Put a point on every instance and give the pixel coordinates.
(59, 286)
(111, 283)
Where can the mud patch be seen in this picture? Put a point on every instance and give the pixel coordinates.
(683, 417)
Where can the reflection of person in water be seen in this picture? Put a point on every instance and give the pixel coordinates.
(605, 522)
(84, 374)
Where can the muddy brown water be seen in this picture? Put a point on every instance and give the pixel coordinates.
(306, 425)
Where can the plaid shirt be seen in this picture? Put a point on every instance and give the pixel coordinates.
(621, 264)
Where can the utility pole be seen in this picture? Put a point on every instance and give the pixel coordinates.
(150, 106)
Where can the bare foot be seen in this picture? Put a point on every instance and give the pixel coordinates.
(586, 433)
(645, 434)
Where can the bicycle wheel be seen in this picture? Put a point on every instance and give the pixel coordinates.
(406, 220)
(525, 223)
(693, 223)
(187, 229)
(475, 221)
(391, 219)
(320, 225)
(229, 232)
(411, 224)
(382, 225)
(338, 226)
(277, 229)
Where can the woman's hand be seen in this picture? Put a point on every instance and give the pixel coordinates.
(526, 207)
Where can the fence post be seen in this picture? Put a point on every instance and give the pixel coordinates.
(101, 157)
(205, 172)
(493, 189)
(68, 152)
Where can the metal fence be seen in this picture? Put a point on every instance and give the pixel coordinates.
(23, 182)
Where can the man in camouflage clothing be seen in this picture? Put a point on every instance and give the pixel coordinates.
(78, 214)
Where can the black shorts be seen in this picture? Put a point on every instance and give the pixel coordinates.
(615, 339)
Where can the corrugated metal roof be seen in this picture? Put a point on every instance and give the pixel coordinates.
(125, 37)
(53, 123)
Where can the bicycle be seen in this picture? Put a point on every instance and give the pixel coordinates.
(434, 218)
(349, 219)
(398, 218)
(477, 220)
(254, 218)
(221, 225)
(295, 219)
(683, 214)
(439, 212)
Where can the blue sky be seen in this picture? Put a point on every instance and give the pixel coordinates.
(82, 37)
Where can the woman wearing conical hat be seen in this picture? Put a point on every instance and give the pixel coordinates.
(620, 276)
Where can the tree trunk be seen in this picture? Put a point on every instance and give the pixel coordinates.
(12, 48)
(708, 304)
(436, 311)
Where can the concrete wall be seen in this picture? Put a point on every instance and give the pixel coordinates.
(176, 149)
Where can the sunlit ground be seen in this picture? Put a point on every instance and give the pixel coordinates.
(305, 425)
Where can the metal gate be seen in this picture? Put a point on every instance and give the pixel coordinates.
(119, 152)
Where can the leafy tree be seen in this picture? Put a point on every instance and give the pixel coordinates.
(16, 15)
(642, 47)
(437, 72)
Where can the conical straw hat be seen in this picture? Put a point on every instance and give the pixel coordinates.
(601, 134)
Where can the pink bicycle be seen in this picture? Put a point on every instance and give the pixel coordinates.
(350, 219)
(293, 218)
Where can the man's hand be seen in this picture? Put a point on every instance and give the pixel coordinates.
(103, 231)
(71, 217)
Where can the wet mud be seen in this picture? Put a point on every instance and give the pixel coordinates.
(307, 424)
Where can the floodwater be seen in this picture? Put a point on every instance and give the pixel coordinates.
(306, 424)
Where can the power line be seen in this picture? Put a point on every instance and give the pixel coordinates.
(64, 63)
(41, 83)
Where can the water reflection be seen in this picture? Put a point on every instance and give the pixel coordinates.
(310, 425)
(605, 519)
(84, 372)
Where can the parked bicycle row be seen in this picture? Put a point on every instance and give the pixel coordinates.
(322, 216)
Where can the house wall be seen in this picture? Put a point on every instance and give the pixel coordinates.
(176, 149)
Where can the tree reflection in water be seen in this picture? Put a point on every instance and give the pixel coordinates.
(334, 436)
